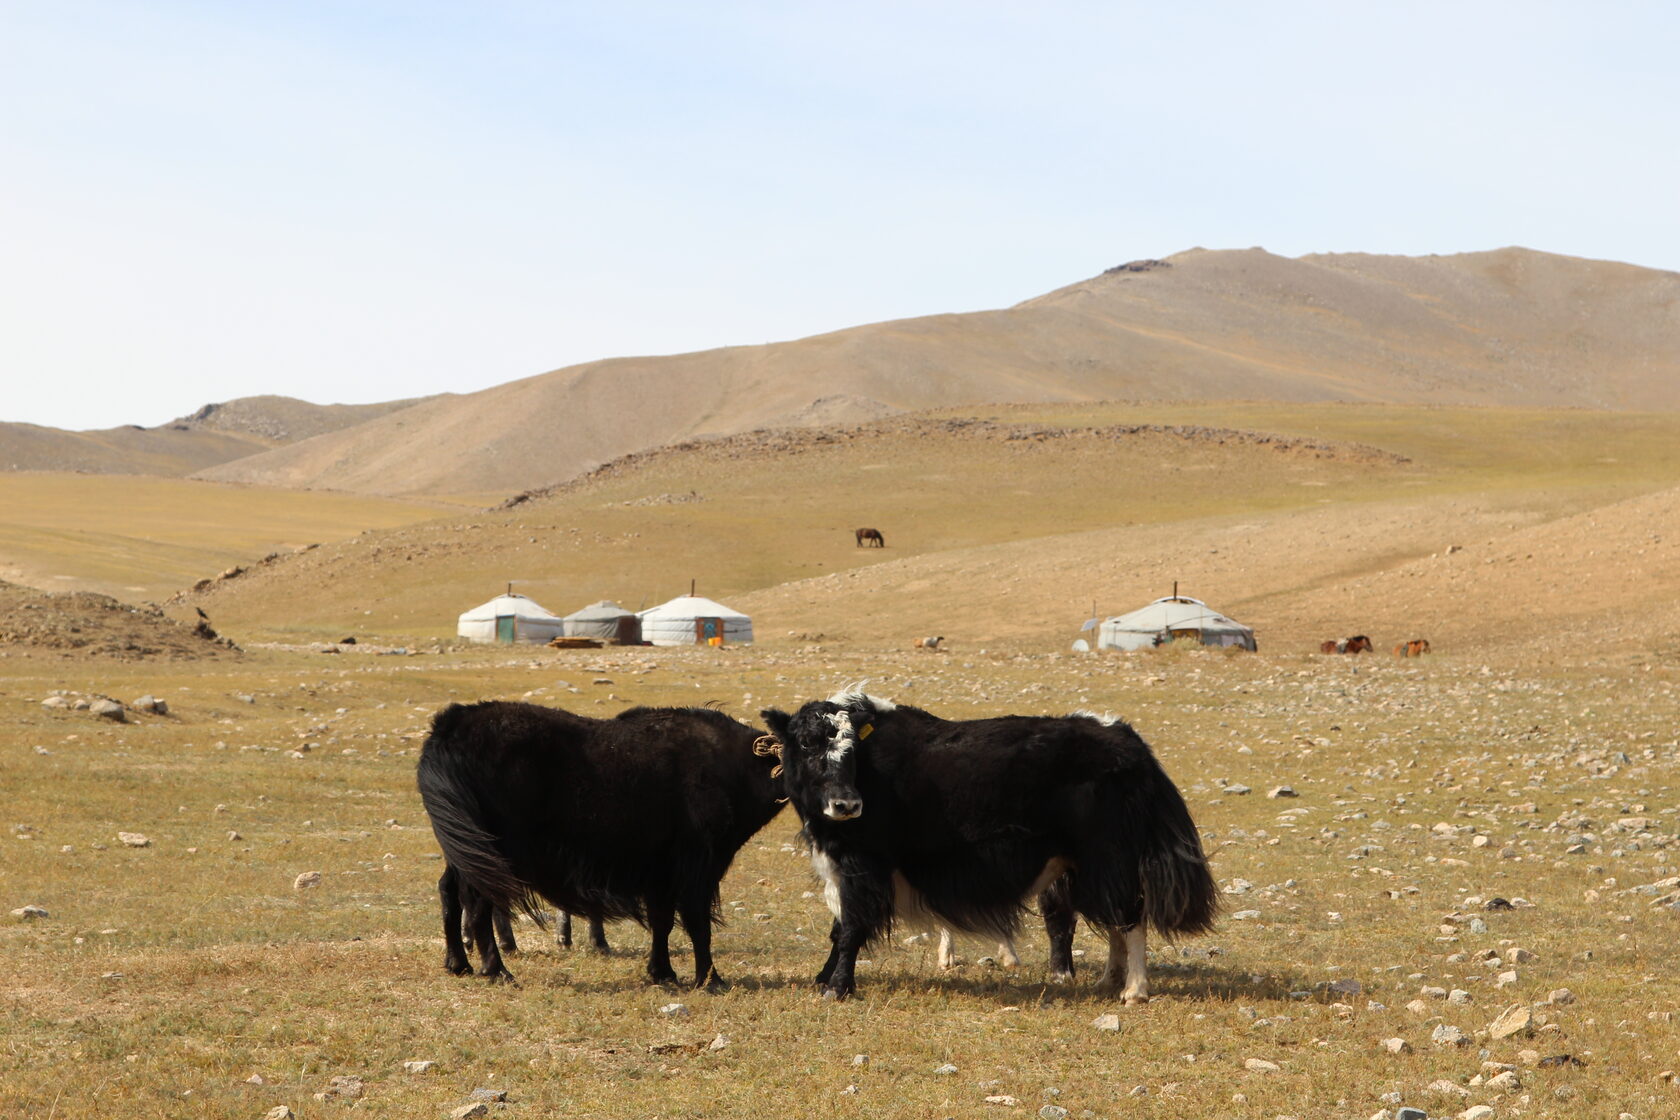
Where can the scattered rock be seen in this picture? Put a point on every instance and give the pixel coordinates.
(470, 1111)
(945, 1070)
(306, 880)
(1282, 791)
(1506, 1082)
(1560, 996)
(1396, 1046)
(150, 703)
(30, 911)
(109, 709)
(1448, 1035)
(1109, 1022)
(494, 1096)
(1514, 1020)
(419, 1067)
(674, 1009)
(135, 839)
(55, 702)
(1261, 1065)
(280, 1112)
(1476, 1112)
(342, 1089)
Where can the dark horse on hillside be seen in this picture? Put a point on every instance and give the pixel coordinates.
(1359, 643)
(871, 538)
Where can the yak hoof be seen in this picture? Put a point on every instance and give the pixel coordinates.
(1060, 977)
(501, 977)
(1134, 1001)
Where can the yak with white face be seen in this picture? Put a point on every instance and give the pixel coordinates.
(961, 823)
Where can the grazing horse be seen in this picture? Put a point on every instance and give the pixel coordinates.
(1359, 643)
(1417, 647)
(634, 817)
(871, 538)
(958, 823)
(929, 643)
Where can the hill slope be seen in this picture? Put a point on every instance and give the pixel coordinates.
(216, 433)
(1511, 327)
(1483, 532)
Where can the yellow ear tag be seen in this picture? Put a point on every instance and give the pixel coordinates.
(863, 732)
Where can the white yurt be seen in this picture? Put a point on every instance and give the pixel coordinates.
(509, 618)
(690, 620)
(607, 621)
(1173, 617)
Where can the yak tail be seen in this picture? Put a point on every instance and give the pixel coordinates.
(469, 849)
(1179, 894)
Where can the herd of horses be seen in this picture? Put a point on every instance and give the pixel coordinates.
(954, 825)
(1359, 643)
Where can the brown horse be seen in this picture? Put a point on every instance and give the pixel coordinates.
(1417, 647)
(872, 537)
(1359, 643)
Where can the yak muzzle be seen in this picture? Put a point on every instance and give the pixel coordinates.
(843, 808)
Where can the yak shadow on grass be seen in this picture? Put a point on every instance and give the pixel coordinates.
(1189, 982)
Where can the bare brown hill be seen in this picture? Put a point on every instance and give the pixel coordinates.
(285, 419)
(1511, 327)
(127, 450)
(216, 433)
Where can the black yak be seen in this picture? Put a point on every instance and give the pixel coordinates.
(633, 817)
(958, 823)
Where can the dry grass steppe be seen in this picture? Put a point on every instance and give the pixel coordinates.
(190, 977)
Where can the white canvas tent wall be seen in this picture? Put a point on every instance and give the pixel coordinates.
(1172, 617)
(691, 619)
(509, 618)
(605, 620)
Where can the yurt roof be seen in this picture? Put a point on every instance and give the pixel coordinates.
(605, 609)
(691, 606)
(1170, 613)
(503, 605)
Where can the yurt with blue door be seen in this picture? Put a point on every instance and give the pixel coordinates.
(694, 620)
(508, 619)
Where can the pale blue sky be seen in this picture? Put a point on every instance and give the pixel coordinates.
(359, 201)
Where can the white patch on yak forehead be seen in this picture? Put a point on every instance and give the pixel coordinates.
(845, 736)
(1107, 719)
